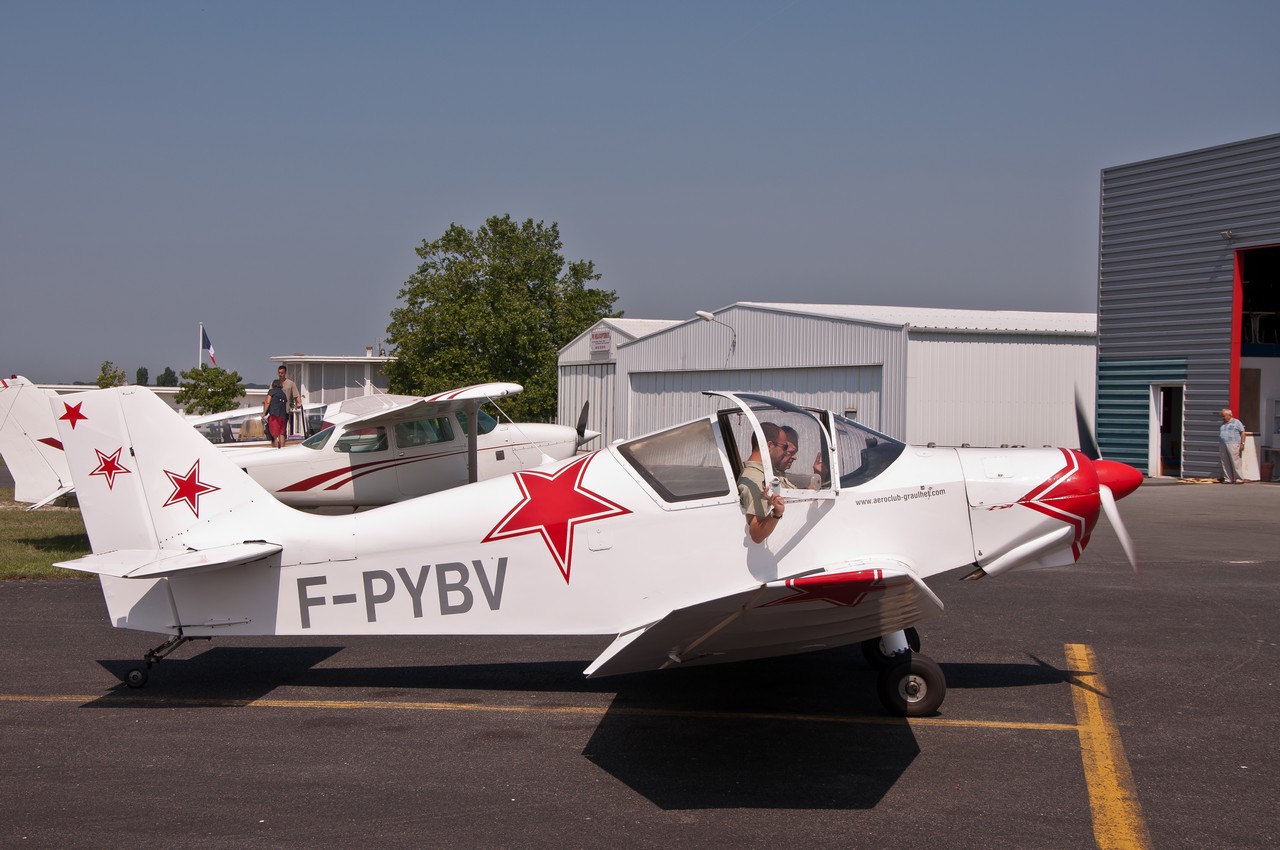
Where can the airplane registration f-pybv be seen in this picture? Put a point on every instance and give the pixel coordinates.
(644, 540)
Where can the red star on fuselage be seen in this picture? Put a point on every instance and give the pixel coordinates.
(188, 488)
(73, 414)
(109, 466)
(554, 504)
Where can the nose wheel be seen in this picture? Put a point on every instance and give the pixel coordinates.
(912, 685)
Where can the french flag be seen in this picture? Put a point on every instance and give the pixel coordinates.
(207, 346)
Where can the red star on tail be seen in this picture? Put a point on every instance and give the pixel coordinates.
(109, 466)
(554, 504)
(188, 488)
(73, 414)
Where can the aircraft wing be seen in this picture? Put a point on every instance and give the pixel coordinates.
(402, 408)
(825, 608)
(156, 563)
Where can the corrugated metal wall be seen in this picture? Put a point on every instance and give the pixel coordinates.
(1166, 281)
(766, 340)
(591, 384)
(1124, 406)
(997, 389)
(660, 399)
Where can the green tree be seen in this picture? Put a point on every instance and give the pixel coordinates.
(208, 389)
(168, 378)
(494, 305)
(109, 375)
(141, 377)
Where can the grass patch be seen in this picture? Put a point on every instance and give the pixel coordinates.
(32, 540)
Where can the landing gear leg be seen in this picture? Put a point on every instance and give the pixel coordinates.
(137, 676)
(881, 651)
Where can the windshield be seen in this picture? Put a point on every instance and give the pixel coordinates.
(796, 443)
(863, 453)
(487, 422)
(317, 441)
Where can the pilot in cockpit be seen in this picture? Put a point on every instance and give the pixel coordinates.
(763, 505)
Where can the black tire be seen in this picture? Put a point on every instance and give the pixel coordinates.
(876, 657)
(136, 678)
(913, 686)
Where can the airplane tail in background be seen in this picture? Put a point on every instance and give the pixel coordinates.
(144, 478)
(30, 445)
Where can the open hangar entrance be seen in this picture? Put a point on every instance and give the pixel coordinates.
(1258, 391)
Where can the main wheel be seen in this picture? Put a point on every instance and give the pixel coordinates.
(136, 678)
(875, 654)
(912, 686)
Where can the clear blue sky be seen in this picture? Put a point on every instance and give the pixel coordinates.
(268, 168)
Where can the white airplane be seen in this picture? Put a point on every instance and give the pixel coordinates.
(30, 445)
(373, 450)
(643, 540)
(381, 449)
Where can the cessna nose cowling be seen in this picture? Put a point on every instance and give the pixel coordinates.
(1120, 477)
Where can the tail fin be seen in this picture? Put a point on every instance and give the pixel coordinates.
(144, 478)
(29, 442)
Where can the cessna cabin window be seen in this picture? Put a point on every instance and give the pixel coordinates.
(362, 440)
(682, 464)
(422, 432)
(864, 453)
(487, 422)
(317, 440)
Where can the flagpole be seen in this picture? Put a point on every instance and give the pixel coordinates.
(200, 347)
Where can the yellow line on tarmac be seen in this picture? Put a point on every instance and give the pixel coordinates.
(128, 699)
(1117, 816)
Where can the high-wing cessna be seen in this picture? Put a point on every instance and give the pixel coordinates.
(374, 450)
(381, 449)
(644, 540)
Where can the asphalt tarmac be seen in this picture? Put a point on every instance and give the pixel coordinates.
(487, 742)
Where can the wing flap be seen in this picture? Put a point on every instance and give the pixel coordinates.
(832, 607)
(158, 563)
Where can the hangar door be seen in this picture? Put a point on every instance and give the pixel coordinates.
(661, 399)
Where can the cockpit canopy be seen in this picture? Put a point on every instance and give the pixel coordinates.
(700, 460)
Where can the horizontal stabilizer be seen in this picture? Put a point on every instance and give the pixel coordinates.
(54, 496)
(819, 610)
(158, 563)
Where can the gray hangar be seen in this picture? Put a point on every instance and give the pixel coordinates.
(924, 375)
(1189, 308)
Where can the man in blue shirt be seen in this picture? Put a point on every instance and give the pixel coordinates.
(1231, 447)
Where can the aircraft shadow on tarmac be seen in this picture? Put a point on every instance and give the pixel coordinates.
(804, 731)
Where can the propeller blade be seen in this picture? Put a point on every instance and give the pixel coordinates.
(1113, 516)
(1088, 445)
(584, 436)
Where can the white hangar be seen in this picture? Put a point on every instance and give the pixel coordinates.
(950, 377)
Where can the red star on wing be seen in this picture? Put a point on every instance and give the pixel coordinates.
(838, 589)
(109, 466)
(73, 414)
(188, 488)
(554, 504)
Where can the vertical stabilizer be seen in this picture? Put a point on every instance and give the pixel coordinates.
(145, 478)
(29, 442)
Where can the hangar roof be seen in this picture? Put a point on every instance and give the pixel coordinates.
(930, 318)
